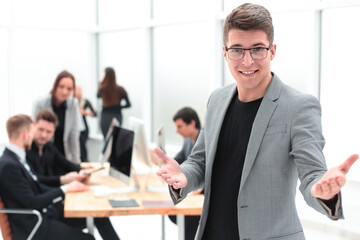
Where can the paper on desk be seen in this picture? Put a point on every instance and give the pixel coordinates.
(101, 190)
(157, 203)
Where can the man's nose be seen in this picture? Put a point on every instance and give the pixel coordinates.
(247, 59)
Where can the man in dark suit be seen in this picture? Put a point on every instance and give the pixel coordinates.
(49, 165)
(20, 188)
(53, 169)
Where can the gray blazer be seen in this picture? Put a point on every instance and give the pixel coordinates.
(72, 125)
(285, 145)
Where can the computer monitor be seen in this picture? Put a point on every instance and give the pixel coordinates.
(121, 154)
(142, 153)
(117, 150)
(160, 134)
(141, 146)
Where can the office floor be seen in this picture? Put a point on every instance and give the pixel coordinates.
(149, 228)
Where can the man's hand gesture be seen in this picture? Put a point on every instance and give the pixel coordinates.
(170, 171)
(333, 180)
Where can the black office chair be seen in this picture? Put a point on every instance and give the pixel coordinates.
(5, 224)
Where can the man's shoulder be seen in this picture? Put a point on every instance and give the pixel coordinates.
(7, 159)
(224, 91)
(287, 93)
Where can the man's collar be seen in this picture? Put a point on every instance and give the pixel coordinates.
(16, 149)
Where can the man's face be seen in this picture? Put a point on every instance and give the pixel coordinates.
(184, 129)
(250, 74)
(43, 133)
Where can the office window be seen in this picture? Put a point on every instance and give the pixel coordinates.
(340, 84)
(4, 93)
(38, 56)
(114, 13)
(182, 70)
(55, 13)
(186, 9)
(125, 52)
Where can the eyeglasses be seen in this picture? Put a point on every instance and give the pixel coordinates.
(257, 53)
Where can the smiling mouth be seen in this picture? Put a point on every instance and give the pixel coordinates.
(248, 72)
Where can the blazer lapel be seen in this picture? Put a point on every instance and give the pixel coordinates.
(261, 122)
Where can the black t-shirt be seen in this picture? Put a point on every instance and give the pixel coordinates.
(229, 160)
(59, 132)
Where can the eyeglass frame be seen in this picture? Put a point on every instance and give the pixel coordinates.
(249, 49)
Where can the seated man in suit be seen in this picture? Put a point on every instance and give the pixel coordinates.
(49, 165)
(20, 188)
(52, 168)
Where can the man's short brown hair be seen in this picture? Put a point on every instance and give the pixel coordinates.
(247, 17)
(16, 124)
(47, 115)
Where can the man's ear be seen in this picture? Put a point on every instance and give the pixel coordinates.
(272, 51)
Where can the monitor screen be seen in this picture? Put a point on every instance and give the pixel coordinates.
(141, 147)
(161, 139)
(118, 148)
(121, 154)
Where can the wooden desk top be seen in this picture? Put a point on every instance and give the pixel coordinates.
(85, 204)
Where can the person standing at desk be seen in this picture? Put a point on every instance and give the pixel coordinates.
(112, 96)
(84, 104)
(187, 125)
(66, 107)
(259, 137)
(20, 188)
(52, 169)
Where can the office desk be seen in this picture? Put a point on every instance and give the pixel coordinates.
(85, 204)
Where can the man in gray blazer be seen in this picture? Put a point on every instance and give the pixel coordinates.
(259, 137)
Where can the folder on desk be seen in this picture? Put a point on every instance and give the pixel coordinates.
(157, 203)
(123, 203)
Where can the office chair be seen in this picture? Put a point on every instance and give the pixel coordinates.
(5, 224)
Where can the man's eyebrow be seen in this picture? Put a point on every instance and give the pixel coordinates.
(259, 44)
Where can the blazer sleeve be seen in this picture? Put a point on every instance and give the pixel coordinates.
(307, 144)
(60, 162)
(18, 187)
(72, 148)
(53, 181)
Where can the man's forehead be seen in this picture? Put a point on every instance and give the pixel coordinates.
(250, 38)
(44, 123)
